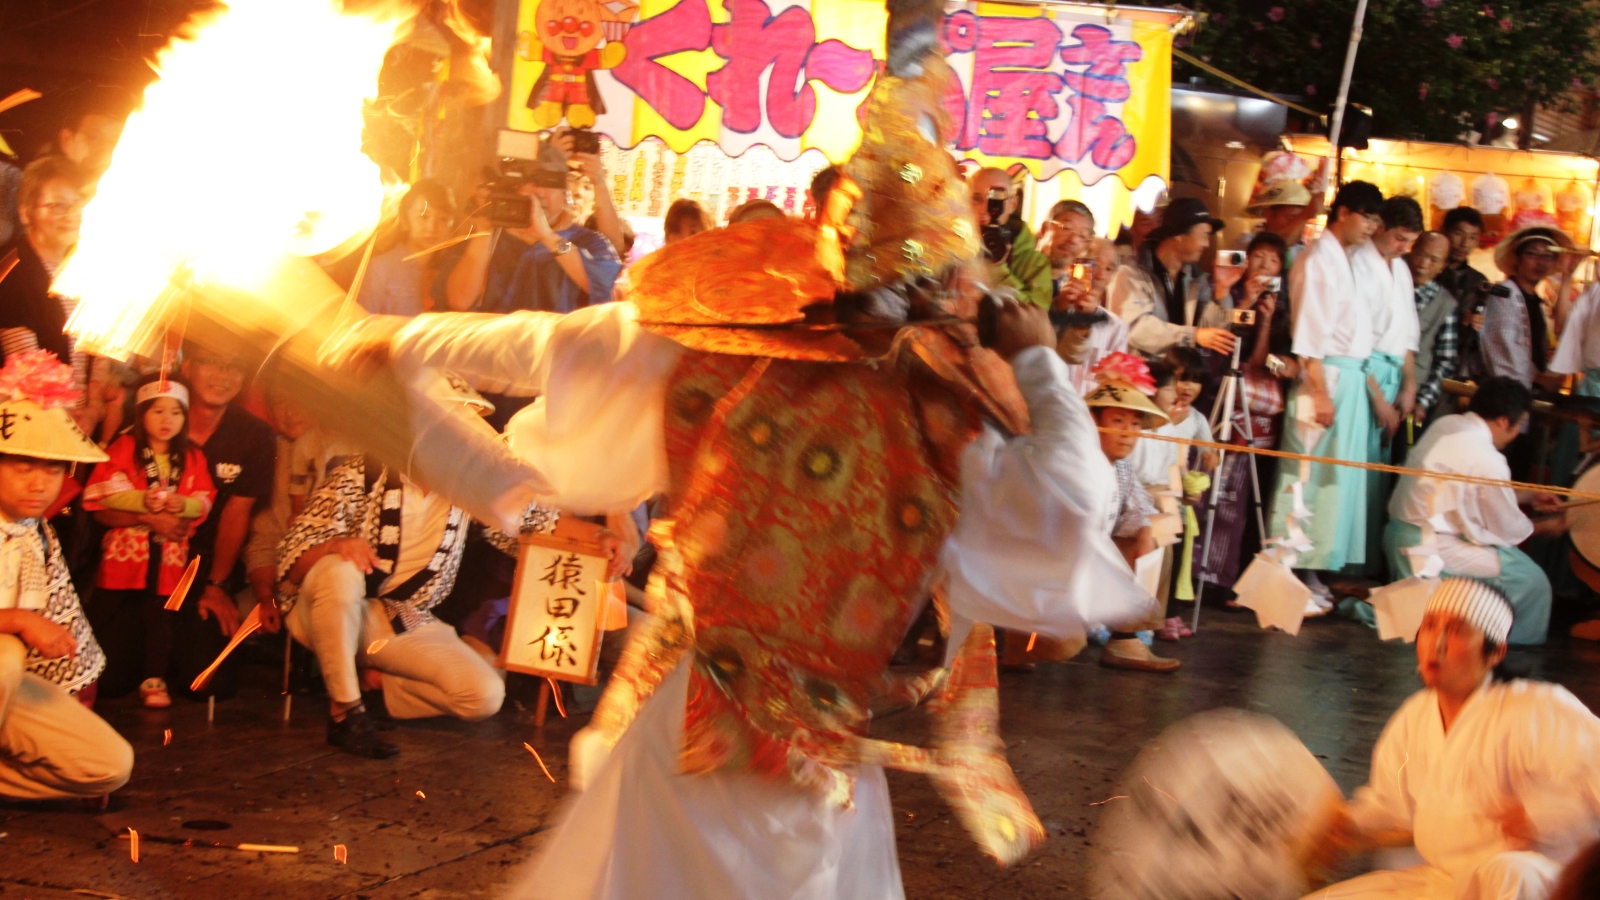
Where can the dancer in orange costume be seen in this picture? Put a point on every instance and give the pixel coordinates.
(832, 442)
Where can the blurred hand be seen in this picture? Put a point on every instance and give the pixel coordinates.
(51, 640)
(174, 504)
(1019, 326)
(1219, 340)
(168, 526)
(1475, 320)
(362, 347)
(1225, 277)
(1322, 407)
(216, 602)
(356, 551)
(1388, 418)
(1074, 294)
(267, 612)
(1406, 402)
(1546, 503)
(1266, 305)
(591, 167)
(1179, 413)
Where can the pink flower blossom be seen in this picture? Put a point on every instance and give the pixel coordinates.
(1454, 41)
(38, 376)
(1577, 84)
(1127, 368)
(1488, 10)
(1275, 14)
(1311, 90)
(1493, 83)
(1505, 24)
(1432, 4)
(1422, 91)
(1259, 25)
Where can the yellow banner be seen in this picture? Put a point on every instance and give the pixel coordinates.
(1052, 87)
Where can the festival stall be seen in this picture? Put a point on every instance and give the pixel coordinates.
(1511, 188)
(741, 99)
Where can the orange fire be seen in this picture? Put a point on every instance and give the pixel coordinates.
(245, 152)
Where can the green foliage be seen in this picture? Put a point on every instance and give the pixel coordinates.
(1429, 69)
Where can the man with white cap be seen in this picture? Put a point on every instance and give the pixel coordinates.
(52, 746)
(1496, 783)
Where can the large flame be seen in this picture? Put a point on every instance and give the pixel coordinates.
(245, 152)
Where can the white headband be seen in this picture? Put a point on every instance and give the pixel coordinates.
(1475, 603)
(153, 390)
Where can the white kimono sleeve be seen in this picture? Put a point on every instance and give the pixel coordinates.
(1029, 550)
(1554, 767)
(1312, 305)
(1384, 803)
(595, 433)
(1490, 516)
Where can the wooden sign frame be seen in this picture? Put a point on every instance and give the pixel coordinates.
(521, 587)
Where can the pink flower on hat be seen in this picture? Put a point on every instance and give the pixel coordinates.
(1126, 368)
(38, 376)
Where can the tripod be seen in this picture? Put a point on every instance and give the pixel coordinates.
(1222, 426)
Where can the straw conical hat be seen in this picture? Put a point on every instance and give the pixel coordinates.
(34, 421)
(1123, 394)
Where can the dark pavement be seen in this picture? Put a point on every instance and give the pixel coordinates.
(464, 804)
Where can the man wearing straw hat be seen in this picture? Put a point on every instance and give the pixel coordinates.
(1495, 783)
(1476, 527)
(1515, 334)
(51, 745)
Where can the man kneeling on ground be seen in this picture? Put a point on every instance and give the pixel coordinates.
(1496, 783)
(359, 570)
(51, 745)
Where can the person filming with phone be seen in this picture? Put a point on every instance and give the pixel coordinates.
(530, 252)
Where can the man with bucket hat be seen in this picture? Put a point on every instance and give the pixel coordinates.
(1162, 295)
(51, 745)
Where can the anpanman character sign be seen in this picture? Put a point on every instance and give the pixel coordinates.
(573, 38)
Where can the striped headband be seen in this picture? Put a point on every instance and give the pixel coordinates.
(153, 390)
(1475, 603)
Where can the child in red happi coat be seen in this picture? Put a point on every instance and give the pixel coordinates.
(153, 490)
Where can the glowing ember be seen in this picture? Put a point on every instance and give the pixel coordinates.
(247, 149)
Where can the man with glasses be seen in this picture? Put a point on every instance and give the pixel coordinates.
(240, 451)
(50, 206)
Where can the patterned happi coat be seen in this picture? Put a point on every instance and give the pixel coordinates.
(807, 507)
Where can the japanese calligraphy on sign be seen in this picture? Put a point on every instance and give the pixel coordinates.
(1051, 86)
(557, 611)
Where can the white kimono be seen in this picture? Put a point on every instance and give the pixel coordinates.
(1470, 520)
(1579, 347)
(1026, 553)
(1392, 299)
(1514, 743)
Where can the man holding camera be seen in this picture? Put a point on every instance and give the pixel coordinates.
(1007, 240)
(1163, 296)
(546, 261)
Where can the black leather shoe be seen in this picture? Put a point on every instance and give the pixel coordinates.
(356, 735)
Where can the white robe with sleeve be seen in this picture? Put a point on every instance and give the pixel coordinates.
(1470, 520)
(1329, 315)
(1517, 743)
(1026, 552)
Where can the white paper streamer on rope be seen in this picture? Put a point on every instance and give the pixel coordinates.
(1399, 606)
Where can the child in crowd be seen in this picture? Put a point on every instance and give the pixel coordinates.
(1122, 403)
(1178, 383)
(151, 493)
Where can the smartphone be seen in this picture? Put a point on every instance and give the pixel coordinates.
(1230, 258)
(585, 141)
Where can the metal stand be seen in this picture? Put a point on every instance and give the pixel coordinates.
(1222, 427)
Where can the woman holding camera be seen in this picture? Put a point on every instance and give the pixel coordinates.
(1265, 364)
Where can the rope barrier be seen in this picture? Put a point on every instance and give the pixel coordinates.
(1372, 467)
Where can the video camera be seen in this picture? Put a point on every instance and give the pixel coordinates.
(508, 206)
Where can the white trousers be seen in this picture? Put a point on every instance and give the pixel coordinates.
(1506, 876)
(640, 830)
(428, 671)
(51, 746)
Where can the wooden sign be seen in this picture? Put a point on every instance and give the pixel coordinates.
(557, 613)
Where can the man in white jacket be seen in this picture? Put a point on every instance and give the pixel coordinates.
(1496, 783)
